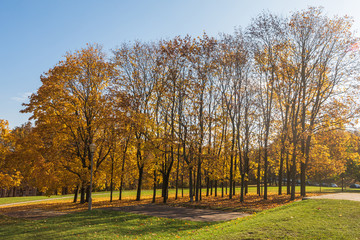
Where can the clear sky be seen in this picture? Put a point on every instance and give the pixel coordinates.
(35, 35)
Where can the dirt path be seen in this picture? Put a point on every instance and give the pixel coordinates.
(180, 212)
(338, 196)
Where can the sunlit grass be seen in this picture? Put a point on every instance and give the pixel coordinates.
(146, 194)
(311, 219)
(97, 224)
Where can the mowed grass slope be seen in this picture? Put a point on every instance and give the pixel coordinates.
(98, 224)
(310, 219)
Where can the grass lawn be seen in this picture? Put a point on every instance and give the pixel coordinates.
(131, 194)
(8, 200)
(310, 219)
(96, 196)
(98, 224)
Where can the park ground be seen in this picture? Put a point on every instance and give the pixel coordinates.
(276, 218)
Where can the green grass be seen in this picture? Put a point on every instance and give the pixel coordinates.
(310, 219)
(148, 194)
(8, 200)
(98, 224)
(95, 195)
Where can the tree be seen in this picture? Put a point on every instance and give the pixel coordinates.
(267, 36)
(72, 105)
(331, 153)
(325, 59)
(135, 66)
(9, 176)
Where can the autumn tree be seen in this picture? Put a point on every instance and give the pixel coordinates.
(10, 176)
(330, 154)
(250, 105)
(267, 36)
(326, 60)
(136, 67)
(72, 105)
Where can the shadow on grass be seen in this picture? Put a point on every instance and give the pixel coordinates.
(97, 224)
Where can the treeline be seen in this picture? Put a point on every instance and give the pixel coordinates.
(268, 102)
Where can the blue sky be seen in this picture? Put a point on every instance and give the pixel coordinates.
(36, 34)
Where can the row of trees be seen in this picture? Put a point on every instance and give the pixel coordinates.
(259, 104)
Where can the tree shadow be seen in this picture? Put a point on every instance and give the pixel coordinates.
(97, 224)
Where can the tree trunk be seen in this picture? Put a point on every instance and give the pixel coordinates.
(111, 179)
(288, 175)
(303, 179)
(232, 165)
(246, 187)
(207, 185)
(182, 185)
(87, 193)
(138, 193)
(198, 181)
(281, 170)
(165, 187)
(76, 193)
(123, 168)
(177, 174)
(154, 188)
(216, 182)
(222, 189)
(226, 187)
(82, 194)
(190, 185)
(234, 187)
(120, 188)
(293, 173)
(258, 179)
(194, 181)
(242, 187)
(265, 171)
